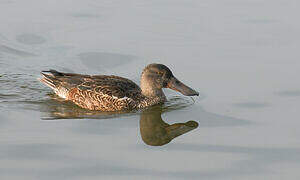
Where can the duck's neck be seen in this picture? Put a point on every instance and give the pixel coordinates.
(149, 90)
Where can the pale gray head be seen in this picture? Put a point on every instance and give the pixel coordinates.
(158, 76)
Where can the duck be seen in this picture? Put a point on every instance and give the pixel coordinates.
(115, 93)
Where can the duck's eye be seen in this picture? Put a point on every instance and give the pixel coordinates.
(159, 73)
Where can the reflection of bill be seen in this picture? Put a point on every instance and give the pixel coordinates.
(156, 132)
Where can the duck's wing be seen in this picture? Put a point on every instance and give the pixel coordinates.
(92, 91)
(114, 86)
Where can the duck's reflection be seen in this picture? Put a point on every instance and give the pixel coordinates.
(156, 132)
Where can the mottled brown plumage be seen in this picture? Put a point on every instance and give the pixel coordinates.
(114, 93)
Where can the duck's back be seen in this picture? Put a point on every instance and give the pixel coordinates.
(99, 92)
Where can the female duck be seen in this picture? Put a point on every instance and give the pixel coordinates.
(114, 93)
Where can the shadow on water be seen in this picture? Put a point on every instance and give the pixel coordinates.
(156, 132)
(288, 93)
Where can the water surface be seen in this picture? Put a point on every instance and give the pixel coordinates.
(241, 55)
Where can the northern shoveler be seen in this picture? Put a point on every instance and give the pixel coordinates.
(114, 93)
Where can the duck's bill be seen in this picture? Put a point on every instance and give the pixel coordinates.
(176, 85)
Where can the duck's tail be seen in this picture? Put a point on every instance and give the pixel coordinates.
(52, 79)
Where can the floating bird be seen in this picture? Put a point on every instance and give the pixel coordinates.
(114, 93)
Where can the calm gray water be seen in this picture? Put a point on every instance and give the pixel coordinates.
(243, 57)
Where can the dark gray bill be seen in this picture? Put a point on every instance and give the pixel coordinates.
(176, 85)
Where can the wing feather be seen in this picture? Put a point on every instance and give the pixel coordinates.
(98, 92)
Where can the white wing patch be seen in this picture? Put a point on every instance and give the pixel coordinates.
(125, 98)
(61, 92)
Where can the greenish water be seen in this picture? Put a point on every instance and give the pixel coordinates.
(241, 56)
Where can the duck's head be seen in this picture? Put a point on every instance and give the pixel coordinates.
(158, 76)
